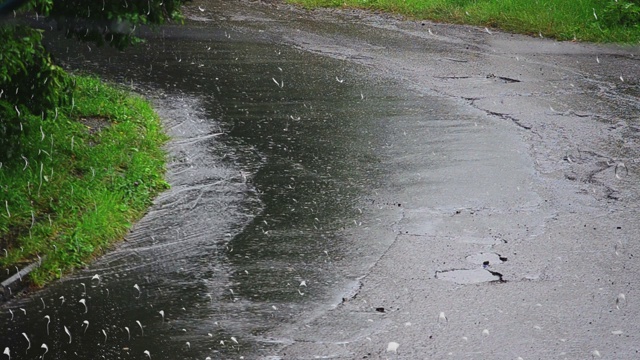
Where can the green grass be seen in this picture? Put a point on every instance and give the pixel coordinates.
(79, 179)
(617, 21)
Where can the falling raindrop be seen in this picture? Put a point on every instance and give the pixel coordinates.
(138, 288)
(140, 324)
(26, 162)
(46, 349)
(621, 170)
(43, 305)
(620, 299)
(485, 333)
(48, 322)
(617, 247)
(96, 277)
(11, 312)
(234, 340)
(442, 317)
(280, 84)
(61, 300)
(105, 335)
(86, 325)
(28, 341)
(68, 333)
(146, 352)
(393, 347)
(84, 302)
(7, 352)
(161, 312)
(128, 333)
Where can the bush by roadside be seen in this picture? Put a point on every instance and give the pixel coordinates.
(76, 178)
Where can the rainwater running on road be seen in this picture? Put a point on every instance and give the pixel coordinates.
(274, 155)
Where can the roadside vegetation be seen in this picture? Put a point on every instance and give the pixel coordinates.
(580, 20)
(76, 177)
(80, 160)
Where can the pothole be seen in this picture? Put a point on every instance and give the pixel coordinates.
(469, 276)
(486, 259)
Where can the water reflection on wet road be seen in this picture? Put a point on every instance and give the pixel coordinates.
(274, 153)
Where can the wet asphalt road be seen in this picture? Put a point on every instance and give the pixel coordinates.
(535, 172)
(340, 181)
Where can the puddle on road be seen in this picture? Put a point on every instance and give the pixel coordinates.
(468, 276)
(478, 275)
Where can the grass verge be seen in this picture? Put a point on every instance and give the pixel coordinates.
(582, 20)
(79, 177)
